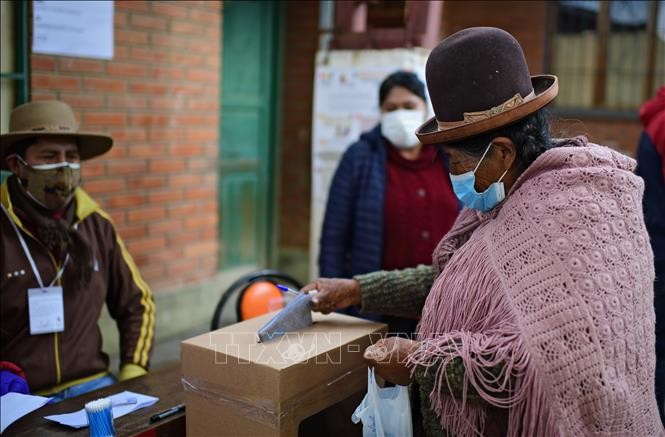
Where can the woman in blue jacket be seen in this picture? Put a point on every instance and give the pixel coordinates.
(391, 200)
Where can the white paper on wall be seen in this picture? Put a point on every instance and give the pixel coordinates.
(73, 28)
(346, 104)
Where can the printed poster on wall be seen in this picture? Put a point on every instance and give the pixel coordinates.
(346, 104)
(81, 29)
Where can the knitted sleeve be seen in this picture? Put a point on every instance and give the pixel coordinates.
(455, 374)
(396, 292)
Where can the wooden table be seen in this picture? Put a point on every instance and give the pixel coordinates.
(164, 384)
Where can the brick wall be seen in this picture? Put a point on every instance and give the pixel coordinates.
(300, 45)
(159, 99)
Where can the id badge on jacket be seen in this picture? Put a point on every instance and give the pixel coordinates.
(46, 310)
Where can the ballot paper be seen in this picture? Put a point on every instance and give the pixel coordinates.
(78, 419)
(13, 406)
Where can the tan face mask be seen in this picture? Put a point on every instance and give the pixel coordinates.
(51, 185)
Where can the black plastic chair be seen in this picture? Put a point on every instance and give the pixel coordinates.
(242, 284)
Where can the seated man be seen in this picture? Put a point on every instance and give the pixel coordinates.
(61, 259)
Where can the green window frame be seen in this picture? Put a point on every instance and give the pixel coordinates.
(20, 74)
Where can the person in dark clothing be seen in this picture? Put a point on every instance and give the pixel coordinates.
(651, 167)
(390, 200)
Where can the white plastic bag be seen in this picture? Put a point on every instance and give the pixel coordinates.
(385, 412)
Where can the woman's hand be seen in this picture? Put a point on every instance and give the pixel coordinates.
(333, 293)
(388, 357)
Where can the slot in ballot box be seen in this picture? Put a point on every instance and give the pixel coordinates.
(236, 386)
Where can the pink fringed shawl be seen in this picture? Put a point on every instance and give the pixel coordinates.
(554, 287)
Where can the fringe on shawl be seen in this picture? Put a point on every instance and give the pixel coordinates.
(484, 339)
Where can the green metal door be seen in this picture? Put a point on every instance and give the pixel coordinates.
(250, 73)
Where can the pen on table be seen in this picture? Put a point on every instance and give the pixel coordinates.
(167, 413)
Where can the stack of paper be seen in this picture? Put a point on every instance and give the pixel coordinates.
(13, 406)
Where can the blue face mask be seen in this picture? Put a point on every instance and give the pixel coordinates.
(465, 190)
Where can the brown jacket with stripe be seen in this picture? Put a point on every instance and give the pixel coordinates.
(56, 361)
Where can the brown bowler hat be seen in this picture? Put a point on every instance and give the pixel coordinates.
(478, 81)
(50, 117)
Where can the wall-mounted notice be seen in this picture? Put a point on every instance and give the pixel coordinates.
(81, 29)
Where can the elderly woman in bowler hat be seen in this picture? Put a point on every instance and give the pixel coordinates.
(537, 314)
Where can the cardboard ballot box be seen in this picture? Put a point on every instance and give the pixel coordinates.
(236, 386)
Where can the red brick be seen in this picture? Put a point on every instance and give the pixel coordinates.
(83, 101)
(125, 200)
(104, 84)
(200, 221)
(183, 265)
(120, 19)
(40, 62)
(146, 245)
(117, 151)
(173, 73)
(188, 89)
(199, 15)
(81, 65)
(168, 196)
(202, 75)
(127, 102)
(132, 5)
(132, 231)
(165, 134)
(170, 10)
(118, 217)
(146, 181)
(166, 165)
(198, 164)
(146, 214)
(104, 118)
(189, 59)
(116, 168)
(201, 134)
(168, 41)
(184, 238)
(93, 168)
(126, 134)
(153, 275)
(201, 248)
(148, 22)
(201, 192)
(201, 46)
(103, 186)
(148, 120)
(53, 82)
(148, 88)
(203, 105)
(131, 36)
(123, 69)
(43, 95)
(166, 103)
(146, 150)
(186, 150)
(182, 209)
(184, 180)
(186, 27)
(165, 227)
(147, 55)
(209, 234)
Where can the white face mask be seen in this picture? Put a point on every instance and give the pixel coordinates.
(399, 127)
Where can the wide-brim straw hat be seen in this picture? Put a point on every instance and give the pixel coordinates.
(50, 118)
(478, 81)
